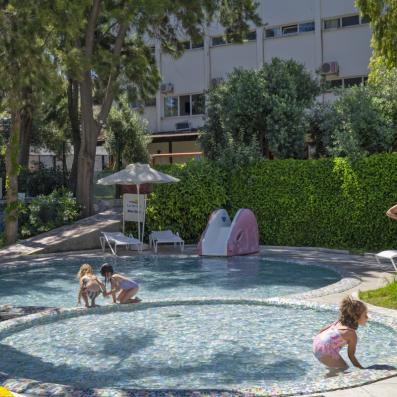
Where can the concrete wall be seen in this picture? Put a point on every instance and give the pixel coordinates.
(193, 72)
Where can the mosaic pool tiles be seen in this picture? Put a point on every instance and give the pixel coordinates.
(348, 380)
(342, 381)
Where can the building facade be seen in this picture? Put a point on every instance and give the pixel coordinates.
(326, 36)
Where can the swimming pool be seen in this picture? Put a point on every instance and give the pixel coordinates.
(53, 282)
(186, 345)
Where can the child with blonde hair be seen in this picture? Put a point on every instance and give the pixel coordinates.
(329, 341)
(90, 286)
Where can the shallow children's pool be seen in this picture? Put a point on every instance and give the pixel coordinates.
(184, 346)
(53, 282)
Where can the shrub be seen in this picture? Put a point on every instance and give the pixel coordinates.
(42, 182)
(328, 202)
(186, 206)
(360, 125)
(260, 111)
(331, 203)
(126, 136)
(48, 212)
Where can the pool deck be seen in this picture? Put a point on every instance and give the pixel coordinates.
(366, 273)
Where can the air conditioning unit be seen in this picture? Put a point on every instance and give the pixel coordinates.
(166, 88)
(216, 81)
(329, 68)
(182, 126)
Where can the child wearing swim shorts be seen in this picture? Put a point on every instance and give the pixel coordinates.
(329, 341)
(122, 288)
(90, 286)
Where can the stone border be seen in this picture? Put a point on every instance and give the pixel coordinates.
(354, 379)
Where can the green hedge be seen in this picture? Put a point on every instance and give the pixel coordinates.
(186, 206)
(327, 203)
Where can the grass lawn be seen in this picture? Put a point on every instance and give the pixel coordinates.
(385, 297)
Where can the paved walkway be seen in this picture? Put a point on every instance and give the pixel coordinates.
(82, 235)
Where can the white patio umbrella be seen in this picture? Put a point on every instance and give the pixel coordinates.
(137, 174)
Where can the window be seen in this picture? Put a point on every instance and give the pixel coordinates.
(190, 45)
(170, 106)
(351, 82)
(350, 21)
(306, 27)
(218, 40)
(365, 20)
(290, 29)
(332, 23)
(198, 44)
(251, 36)
(269, 32)
(184, 105)
(198, 104)
(150, 102)
(335, 83)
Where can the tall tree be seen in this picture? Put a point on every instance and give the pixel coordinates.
(359, 124)
(25, 67)
(126, 136)
(382, 15)
(265, 107)
(113, 48)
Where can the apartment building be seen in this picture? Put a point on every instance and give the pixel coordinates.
(327, 36)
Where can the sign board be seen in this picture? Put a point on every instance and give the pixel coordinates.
(130, 207)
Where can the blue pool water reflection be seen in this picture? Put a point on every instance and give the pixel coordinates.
(54, 283)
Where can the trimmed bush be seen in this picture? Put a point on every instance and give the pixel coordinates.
(186, 206)
(320, 203)
(329, 202)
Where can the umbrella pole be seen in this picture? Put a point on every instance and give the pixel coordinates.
(123, 216)
(144, 218)
(139, 215)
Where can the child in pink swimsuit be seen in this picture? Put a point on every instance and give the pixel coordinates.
(328, 342)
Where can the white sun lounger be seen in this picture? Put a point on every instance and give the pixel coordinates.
(165, 237)
(118, 239)
(390, 254)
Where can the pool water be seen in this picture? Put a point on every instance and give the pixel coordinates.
(54, 283)
(188, 346)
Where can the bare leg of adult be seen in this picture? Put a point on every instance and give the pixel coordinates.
(127, 295)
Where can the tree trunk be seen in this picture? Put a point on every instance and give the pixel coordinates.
(86, 158)
(73, 111)
(90, 127)
(12, 170)
(25, 128)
